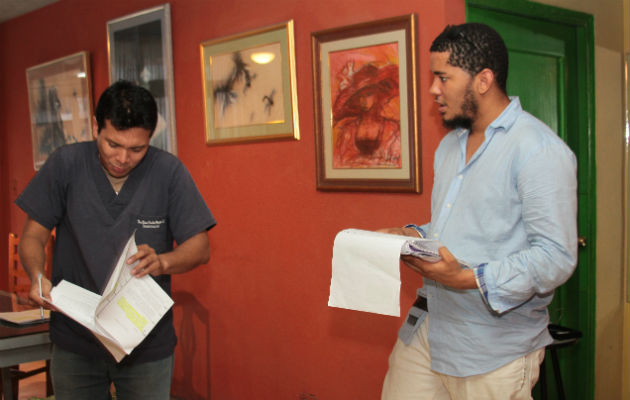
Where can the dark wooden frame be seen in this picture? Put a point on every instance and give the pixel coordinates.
(369, 179)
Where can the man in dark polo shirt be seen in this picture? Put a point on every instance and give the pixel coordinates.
(96, 194)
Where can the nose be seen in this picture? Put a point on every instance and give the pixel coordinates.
(435, 86)
(122, 156)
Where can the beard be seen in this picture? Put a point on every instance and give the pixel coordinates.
(467, 114)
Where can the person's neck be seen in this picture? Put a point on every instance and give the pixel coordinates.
(489, 109)
(117, 183)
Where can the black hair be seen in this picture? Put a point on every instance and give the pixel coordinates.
(473, 47)
(127, 105)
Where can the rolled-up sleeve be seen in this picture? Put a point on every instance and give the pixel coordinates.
(547, 186)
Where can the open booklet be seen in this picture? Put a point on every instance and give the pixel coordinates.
(124, 314)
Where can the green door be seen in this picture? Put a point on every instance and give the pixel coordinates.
(550, 69)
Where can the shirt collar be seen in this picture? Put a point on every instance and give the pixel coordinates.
(508, 117)
(504, 121)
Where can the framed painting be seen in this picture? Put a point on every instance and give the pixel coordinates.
(627, 171)
(60, 104)
(141, 51)
(249, 88)
(366, 130)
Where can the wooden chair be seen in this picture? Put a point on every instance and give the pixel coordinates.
(19, 286)
(19, 281)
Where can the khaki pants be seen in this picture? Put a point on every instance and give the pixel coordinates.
(410, 376)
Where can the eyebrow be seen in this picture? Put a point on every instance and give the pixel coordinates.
(132, 147)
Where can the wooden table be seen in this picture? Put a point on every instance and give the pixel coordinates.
(21, 344)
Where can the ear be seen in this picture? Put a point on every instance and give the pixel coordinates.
(94, 128)
(484, 80)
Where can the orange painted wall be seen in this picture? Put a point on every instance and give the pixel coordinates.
(254, 322)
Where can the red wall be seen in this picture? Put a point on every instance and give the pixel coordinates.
(254, 323)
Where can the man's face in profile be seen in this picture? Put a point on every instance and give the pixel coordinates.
(452, 89)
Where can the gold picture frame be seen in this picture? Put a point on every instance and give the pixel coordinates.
(60, 104)
(248, 98)
(626, 73)
(366, 107)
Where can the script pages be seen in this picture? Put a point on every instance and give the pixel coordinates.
(366, 269)
(124, 314)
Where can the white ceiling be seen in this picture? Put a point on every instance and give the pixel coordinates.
(14, 8)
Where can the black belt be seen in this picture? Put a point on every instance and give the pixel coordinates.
(421, 303)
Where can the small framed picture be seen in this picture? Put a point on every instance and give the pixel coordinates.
(366, 107)
(249, 86)
(140, 51)
(60, 104)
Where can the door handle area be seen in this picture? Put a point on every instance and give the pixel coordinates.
(581, 241)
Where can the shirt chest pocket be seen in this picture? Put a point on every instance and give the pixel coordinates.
(153, 231)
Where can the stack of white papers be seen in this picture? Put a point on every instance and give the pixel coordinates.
(366, 269)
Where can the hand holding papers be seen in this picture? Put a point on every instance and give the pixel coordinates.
(366, 269)
(124, 314)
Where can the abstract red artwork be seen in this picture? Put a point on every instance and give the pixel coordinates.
(366, 107)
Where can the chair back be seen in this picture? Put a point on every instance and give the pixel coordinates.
(19, 281)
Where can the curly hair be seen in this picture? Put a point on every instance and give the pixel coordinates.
(473, 47)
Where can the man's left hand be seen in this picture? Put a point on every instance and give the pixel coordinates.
(446, 271)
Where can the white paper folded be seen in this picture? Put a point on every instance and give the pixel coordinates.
(124, 315)
(366, 269)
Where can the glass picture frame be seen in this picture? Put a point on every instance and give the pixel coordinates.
(249, 86)
(627, 170)
(366, 106)
(60, 104)
(140, 50)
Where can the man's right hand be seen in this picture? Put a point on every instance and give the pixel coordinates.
(33, 295)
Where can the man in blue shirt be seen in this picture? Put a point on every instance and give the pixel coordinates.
(504, 201)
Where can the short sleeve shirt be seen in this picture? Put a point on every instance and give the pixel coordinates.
(159, 201)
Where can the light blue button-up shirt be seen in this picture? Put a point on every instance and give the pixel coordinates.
(511, 210)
